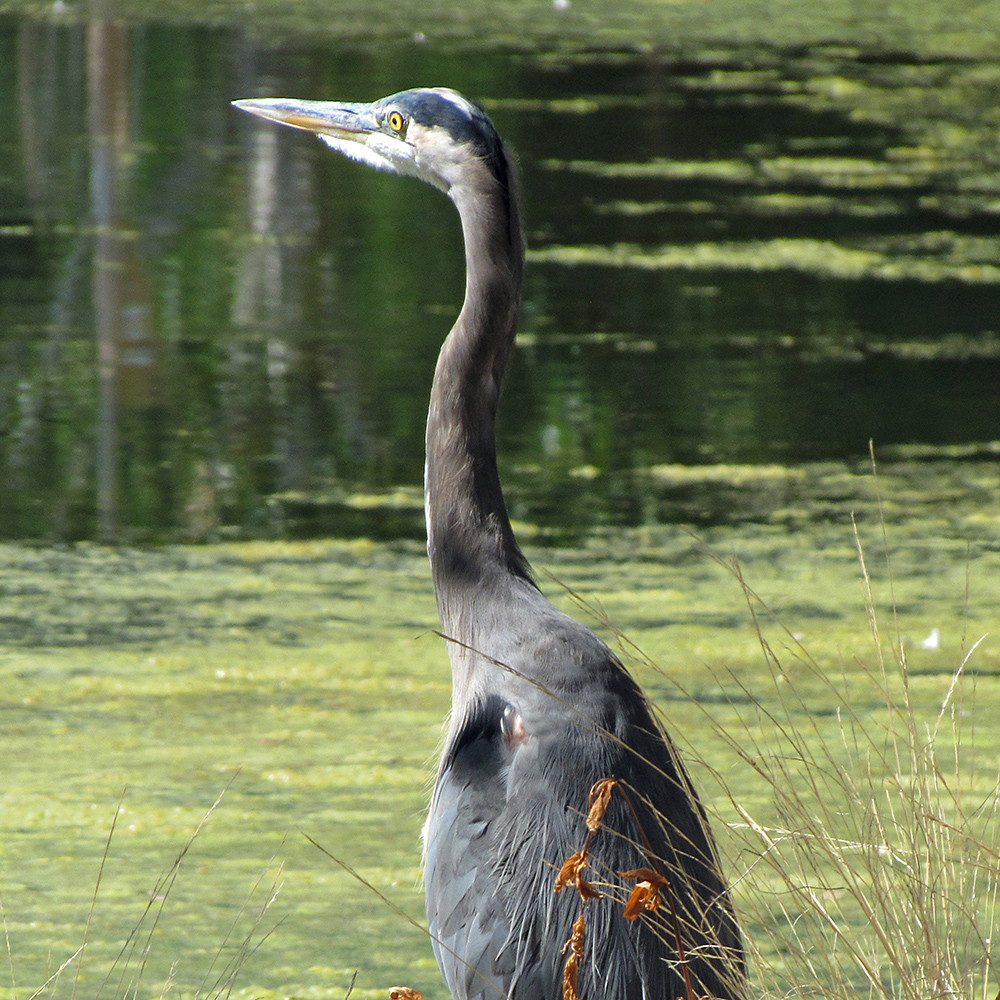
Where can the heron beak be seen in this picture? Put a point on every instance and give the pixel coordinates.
(353, 122)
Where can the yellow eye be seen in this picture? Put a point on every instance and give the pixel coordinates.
(396, 121)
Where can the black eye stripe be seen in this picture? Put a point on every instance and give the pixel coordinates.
(464, 121)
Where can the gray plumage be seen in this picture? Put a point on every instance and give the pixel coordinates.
(541, 708)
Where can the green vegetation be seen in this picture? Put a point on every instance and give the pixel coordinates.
(307, 679)
(811, 256)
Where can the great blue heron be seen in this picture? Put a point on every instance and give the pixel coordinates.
(541, 708)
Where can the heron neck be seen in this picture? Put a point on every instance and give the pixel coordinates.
(470, 541)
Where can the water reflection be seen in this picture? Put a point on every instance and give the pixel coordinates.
(130, 375)
(211, 326)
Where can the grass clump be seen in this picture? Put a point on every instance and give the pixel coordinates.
(870, 864)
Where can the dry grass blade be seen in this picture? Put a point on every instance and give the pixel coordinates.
(55, 975)
(225, 981)
(360, 878)
(143, 931)
(157, 901)
(10, 954)
(97, 886)
(388, 902)
(350, 985)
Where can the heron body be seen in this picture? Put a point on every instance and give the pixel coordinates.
(541, 708)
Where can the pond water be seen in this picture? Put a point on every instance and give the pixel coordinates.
(749, 257)
(740, 256)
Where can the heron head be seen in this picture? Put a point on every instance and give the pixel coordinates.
(434, 133)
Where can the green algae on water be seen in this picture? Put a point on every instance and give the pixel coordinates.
(306, 677)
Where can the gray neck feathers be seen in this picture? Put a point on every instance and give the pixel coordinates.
(471, 544)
